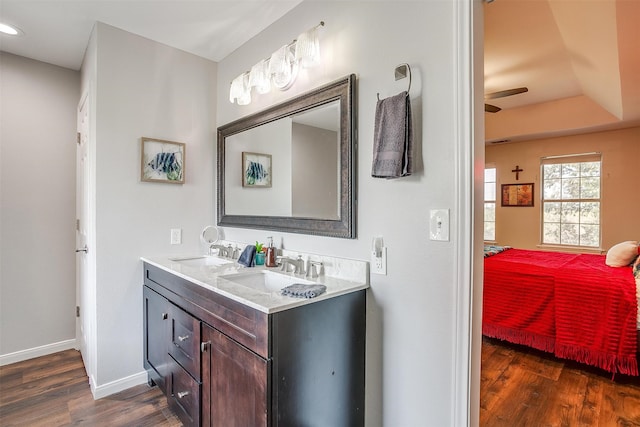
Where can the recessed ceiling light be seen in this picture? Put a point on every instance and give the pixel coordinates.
(10, 30)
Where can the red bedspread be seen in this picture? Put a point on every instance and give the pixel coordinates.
(572, 305)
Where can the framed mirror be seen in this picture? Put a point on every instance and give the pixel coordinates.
(291, 167)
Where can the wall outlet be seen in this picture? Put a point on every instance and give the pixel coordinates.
(379, 261)
(176, 236)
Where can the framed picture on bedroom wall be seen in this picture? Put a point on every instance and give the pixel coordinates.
(518, 195)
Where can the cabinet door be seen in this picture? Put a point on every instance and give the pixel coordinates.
(156, 336)
(234, 383)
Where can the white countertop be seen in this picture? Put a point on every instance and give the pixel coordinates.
(212, 278)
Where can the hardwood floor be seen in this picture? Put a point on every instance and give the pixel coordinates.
(524, 387)
(519, 387)
(54, 391)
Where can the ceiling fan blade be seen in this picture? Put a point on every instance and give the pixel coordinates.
(508, 92)
(491, 108)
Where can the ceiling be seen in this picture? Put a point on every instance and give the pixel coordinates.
(580, 59)
(57, 31)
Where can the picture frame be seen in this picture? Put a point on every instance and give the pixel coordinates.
(162, 161)
(256, 170)
(517, 195)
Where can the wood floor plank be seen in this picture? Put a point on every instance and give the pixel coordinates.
(621, 405)
(25, 410)
(540, 363)
(535, 389)
(519, 388)
(59, 418)
(568, 402)
(9, 380)
(55, 368)
(54, 391)
(42, 390)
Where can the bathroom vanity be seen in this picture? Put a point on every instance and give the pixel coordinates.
(229, 354)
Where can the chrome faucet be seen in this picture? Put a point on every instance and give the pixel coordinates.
(285, 262)
(233, 253)
(298, 264)
(312, 271)
(222, 251)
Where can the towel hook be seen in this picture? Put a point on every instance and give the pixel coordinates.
(401, 72)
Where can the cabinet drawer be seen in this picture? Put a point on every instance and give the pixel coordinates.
(185, 341)
(183, 395)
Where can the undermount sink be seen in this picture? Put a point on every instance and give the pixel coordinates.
(201, 261)
(264, 280)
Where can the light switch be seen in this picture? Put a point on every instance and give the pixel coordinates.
(439, 224)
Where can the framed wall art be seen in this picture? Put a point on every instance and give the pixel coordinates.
(162, 161)
(519, 195)
(256, 170)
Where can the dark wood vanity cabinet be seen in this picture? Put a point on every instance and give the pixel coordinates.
(172, 355)
(234, 385)
(156, 327)
(222, 363)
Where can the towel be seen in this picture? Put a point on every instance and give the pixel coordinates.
(300, 290)
(393, 138)
(248, 256)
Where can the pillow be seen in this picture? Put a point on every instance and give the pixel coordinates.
(622, 254)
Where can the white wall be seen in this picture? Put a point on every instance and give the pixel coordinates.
(314, 185)
(411, 313)
(146, 89)
(620, 151)
(38, 104)
(274, 200)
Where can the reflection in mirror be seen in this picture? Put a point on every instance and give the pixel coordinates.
(305, 154)
(297, 172)
(315, 166)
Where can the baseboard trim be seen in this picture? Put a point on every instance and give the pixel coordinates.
(31, 353)
(119, 385)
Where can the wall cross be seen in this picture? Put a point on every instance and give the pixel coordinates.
(517, 170)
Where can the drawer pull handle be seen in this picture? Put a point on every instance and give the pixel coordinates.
(183, 337)
(165, 316)
(204, 346)
(182, 394)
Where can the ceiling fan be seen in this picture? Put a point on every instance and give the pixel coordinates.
(501, 94)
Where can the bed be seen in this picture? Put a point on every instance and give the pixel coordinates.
(572, 305)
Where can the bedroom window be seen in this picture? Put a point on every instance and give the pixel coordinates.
(571, 200)
(490, 204)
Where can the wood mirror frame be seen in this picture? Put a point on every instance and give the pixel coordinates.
(343, 91)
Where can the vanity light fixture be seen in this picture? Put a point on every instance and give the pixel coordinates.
(307, 52)
(259, 77)
(283, 67)
(10, 30)
(240, 90)
(280, 70)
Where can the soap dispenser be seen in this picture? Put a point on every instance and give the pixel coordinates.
(271, 254)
